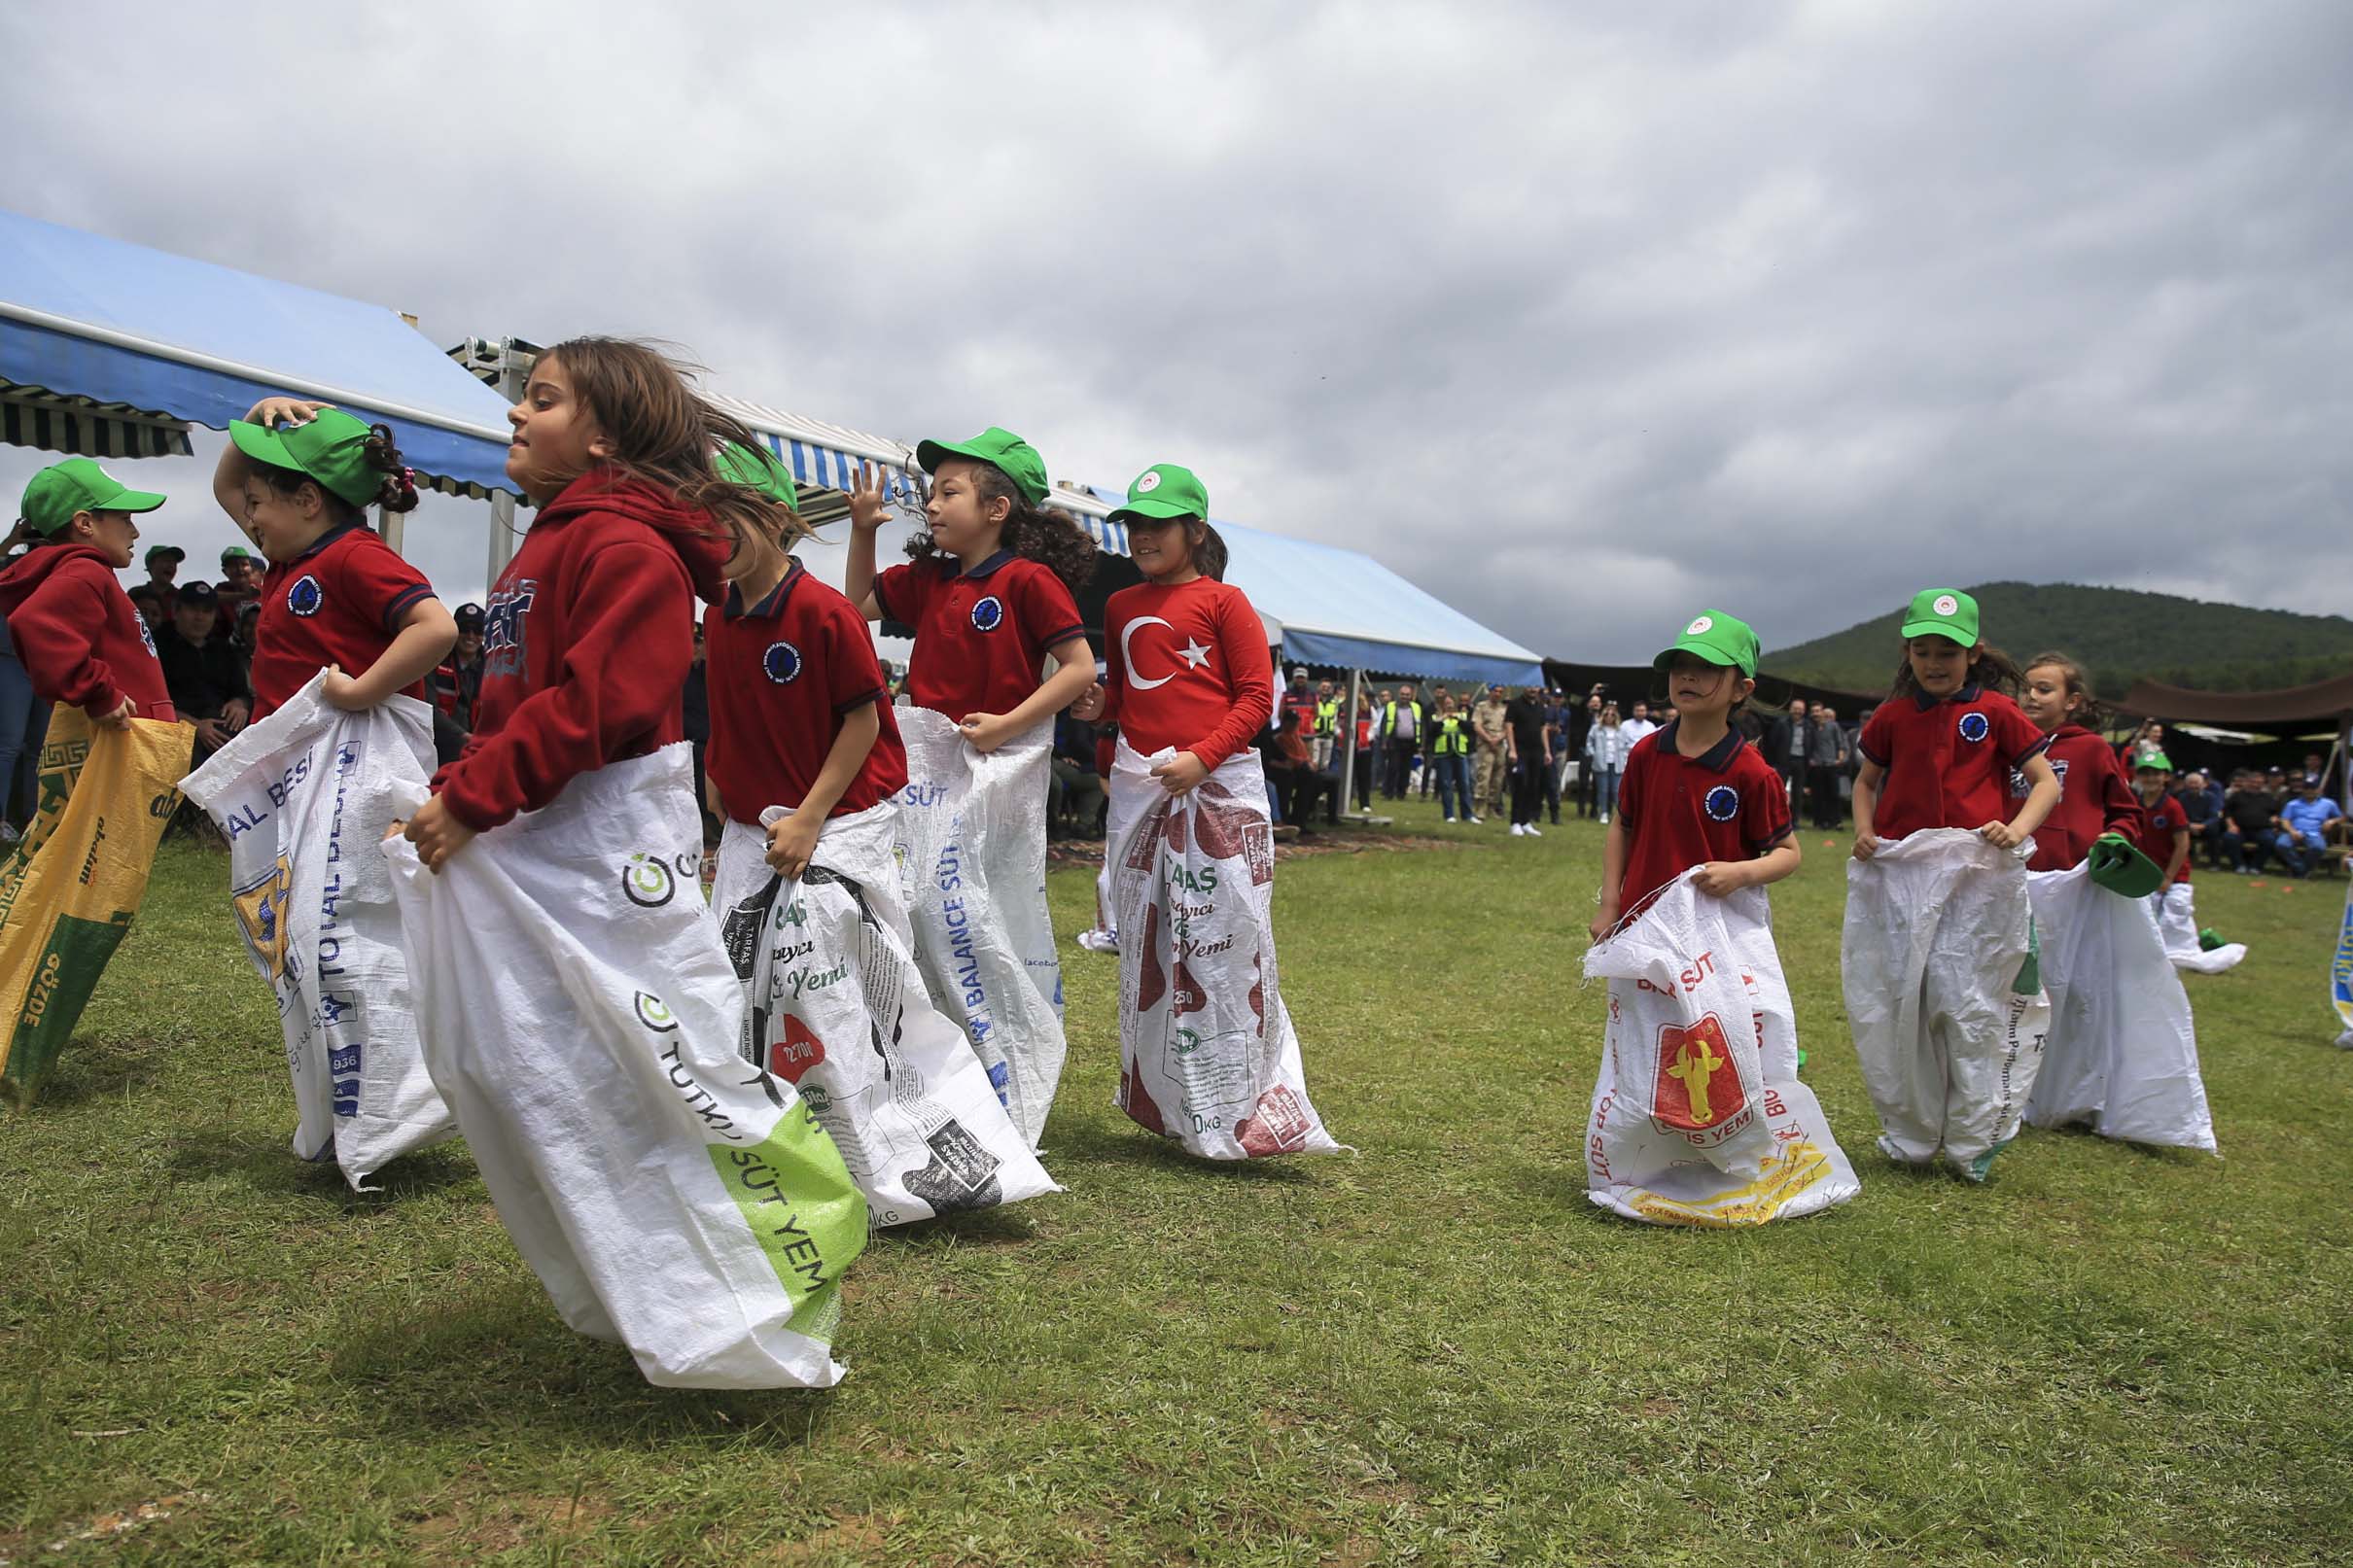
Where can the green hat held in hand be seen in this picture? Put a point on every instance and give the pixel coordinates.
(1000, 449)
(1718, 638)
(2119, 867)
(1163, 491)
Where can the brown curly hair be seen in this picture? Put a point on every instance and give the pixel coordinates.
(396, 492)
(1045, 535)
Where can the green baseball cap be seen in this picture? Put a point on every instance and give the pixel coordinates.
(2119, 867)
(757, 469)
(1717, 638)
(78, 485)
(164, 553)
(1001, 448)
(237, 552)
(1942, 612)
(1163, 491)
(331, 448)
(2154, 760)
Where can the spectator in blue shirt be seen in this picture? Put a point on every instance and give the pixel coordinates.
(2303, 829)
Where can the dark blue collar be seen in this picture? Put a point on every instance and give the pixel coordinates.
(986, 568)
(1715, 759)
(772, 605)
(328, 537)
(1968, 694)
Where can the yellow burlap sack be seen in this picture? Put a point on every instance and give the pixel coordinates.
(69, 890)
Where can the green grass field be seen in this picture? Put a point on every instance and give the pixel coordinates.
(1433, 1350)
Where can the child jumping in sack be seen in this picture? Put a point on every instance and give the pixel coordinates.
(805, 767)
(1698, 1115)
(1942, 988)
(988, 592)
(2122, 1053)
(1207, 1055)
(577, 1007)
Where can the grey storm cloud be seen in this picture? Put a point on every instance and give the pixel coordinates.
(1580, 320)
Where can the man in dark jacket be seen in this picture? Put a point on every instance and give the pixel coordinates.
(204, 674)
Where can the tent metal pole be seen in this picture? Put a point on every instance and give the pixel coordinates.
(514, 372)
(392, 528)
(1347, 730)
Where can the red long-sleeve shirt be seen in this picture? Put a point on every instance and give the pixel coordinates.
(78, 636)
(2094, 798)
(586, 642)
(1189, 668)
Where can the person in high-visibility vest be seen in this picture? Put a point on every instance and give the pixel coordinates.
(1326, 733)
(1450, 757)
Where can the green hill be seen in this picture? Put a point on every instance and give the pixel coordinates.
(2123, 635)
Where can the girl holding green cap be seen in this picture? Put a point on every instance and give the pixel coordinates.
(298, 477)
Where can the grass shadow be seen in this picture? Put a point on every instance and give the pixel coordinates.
(980, 1227)
(87, 1070)
(490, 1358)
(268, 1165)
(1127, 1145)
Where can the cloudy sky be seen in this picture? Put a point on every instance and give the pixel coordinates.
(1580, 320)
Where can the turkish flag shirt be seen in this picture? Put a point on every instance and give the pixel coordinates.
(1190, 669)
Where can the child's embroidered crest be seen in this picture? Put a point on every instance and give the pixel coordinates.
(306, 595)
(1973, 727)
(988, 614)
(1148, 483)
(1699, 627)
(782, 662)
(1947, 604)
(1723, 803)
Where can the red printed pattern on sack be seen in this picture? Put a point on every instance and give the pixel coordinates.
(1279, 1125)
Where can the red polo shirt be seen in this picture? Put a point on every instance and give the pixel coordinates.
(1947, 762)
(783, 673)
(2094, 798)
(339, 601)
(1680, 811)
(2159, 824)
(980, 635)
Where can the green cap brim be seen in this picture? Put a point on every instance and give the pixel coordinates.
(1701, 651)
(263, 445)
(1940, 628)
(1149, 509)
(759, 469)
(134, 501)
(928, 454)
(2123, 869)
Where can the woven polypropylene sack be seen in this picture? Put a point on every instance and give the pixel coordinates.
(2122, 1053)
(1699, 1117)
(305, 797)
(582, 1021)
(1207, 1055)
(971, 852)
(1943, 994)
(836, 1006)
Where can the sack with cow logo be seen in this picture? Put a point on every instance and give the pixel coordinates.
(838, 1007)
(1699, 1117)
(305, 797)
(1207, 1056)
(582, 1021)
(1945, 994)
(71, 884)
(2122, 1053)
(972, 855)
(2177, 921)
